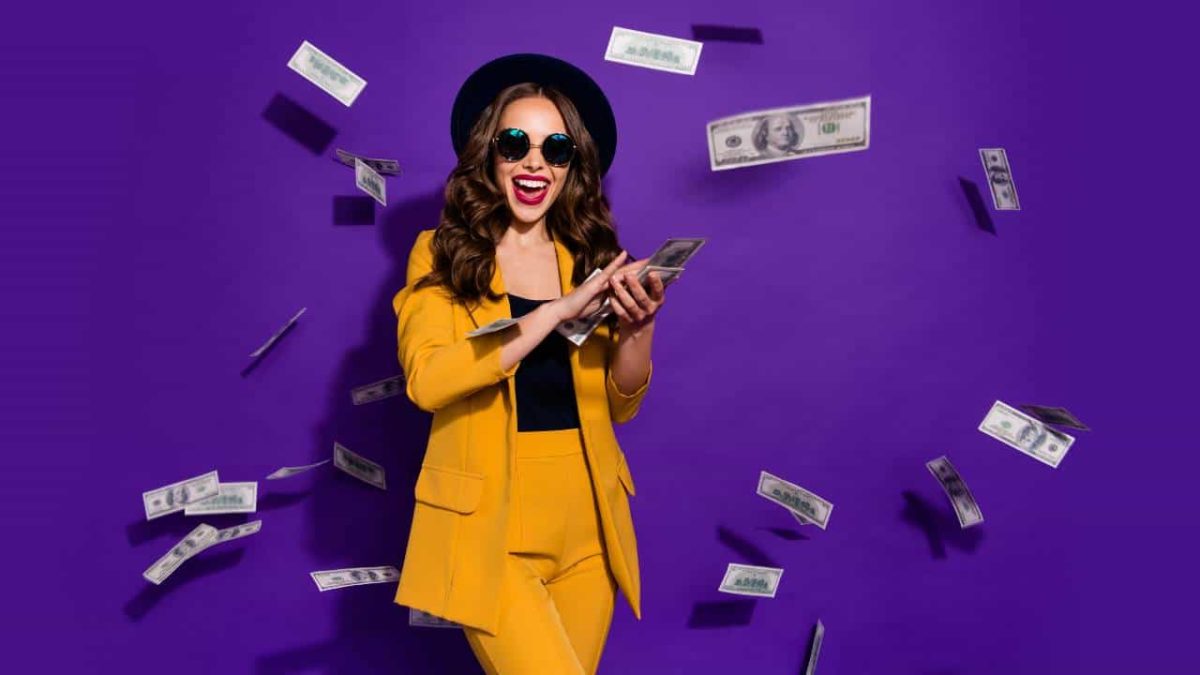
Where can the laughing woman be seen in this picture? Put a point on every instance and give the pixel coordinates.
(521, 530)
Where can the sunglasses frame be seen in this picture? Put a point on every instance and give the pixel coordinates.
(529, 146)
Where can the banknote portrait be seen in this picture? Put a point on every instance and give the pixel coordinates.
(778, 135)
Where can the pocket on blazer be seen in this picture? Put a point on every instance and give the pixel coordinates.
(450, 489)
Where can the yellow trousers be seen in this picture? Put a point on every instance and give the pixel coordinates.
(556, 600)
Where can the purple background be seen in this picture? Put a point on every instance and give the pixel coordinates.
(846, 322)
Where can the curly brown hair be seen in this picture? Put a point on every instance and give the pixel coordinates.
(476, 212)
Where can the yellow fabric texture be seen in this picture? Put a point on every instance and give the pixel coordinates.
(456, 561)
(557, 597)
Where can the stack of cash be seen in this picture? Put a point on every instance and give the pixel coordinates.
(667, 262)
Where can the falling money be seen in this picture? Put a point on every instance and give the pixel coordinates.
(782, 134)
(1004, 191)
(196, 541)
(329, 580)
(358, 466)
(377, 391)
(278, 334)
(332, 77)
(425, 620)
(231, 498)
(648, 50)
(387, 167)
(1027, 434)
(802, 503)
(761, 582)
(965, 506)
(289, 471)
(370, 182)
(177, 496)
(818, 638)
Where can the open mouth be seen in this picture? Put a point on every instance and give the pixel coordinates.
(530, 190)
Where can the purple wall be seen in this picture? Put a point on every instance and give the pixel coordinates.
(846, 322)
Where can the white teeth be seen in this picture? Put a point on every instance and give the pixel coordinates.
(532, 184)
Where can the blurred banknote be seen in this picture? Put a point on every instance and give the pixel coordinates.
(493, 327)
(377, 391)
(1057, 416)
(177, 496)
(1004, 191)
(781, 134)
(794, 498)
(237, 532)
(370, 182)
(289, 471)
(818, 638)
(278, 334)
(231, 498)
(965, 506)
(196, 541)
(1026, 433)
(387, 167)
(322, 70)
(676, 252)
(329, 580)
(425, 620)
(649, 50)
(751, 580)
(358, 466)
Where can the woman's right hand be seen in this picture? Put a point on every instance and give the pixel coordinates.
(586, 298)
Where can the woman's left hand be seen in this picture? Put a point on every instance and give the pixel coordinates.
(634, 305)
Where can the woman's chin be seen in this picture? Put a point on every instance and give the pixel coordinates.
(526, 214)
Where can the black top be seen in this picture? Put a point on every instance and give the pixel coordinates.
(545, 388)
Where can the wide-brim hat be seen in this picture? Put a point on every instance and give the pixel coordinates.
(491, 78)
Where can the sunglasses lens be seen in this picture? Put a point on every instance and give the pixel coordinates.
(512, 144)
(558, 149)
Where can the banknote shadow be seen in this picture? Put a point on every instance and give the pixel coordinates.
(258, 360)
(787, 533)
(721, 614)
(353, 210)
(203, 565)
(703, 32)
(940, 526)
(352, 524)
(983, 219)
(749, 552)
(297, 123)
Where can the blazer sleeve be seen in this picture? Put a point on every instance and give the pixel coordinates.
(622, 407)
(440, 367)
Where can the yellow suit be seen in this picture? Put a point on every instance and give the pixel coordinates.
(457, 545)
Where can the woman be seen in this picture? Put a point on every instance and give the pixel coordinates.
(521, 530)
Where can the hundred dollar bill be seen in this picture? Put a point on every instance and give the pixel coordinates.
(377, 391)
(800, 519)
(237, 532)
(358, 466)
(676, 252)
(1026, 433)
(177, 496)
(231, 498)
(279, 333)
(965, 506)
(762, 582)
(425, 620)
(1057, 416)
(370, 182)
(329, 580)
(289, 471)
(579, 330)
(795, 499)
(493, 327)
(818, 638)
(322, 70)
(196, 541)
(782, 134)
(649, 50)
(387, 167)
(1004, 191)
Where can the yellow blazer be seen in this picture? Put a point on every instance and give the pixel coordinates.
(457, 545)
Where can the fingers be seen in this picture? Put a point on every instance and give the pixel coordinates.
(631, 306)
(639, 294)
(656, 287)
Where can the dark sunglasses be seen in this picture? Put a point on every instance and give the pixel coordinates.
(513, 144)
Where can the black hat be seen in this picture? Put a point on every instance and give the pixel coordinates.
(484, 84)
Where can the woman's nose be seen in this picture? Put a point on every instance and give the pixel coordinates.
(533, 159)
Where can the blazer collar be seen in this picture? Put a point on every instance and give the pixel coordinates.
(491, 310)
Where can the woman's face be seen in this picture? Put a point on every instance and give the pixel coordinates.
(779, 132)
(530, 184)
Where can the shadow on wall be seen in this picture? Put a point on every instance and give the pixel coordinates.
(356, 525)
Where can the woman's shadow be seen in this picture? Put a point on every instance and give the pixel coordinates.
(356, 525)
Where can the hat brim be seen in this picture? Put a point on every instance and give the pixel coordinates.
(490, 79)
